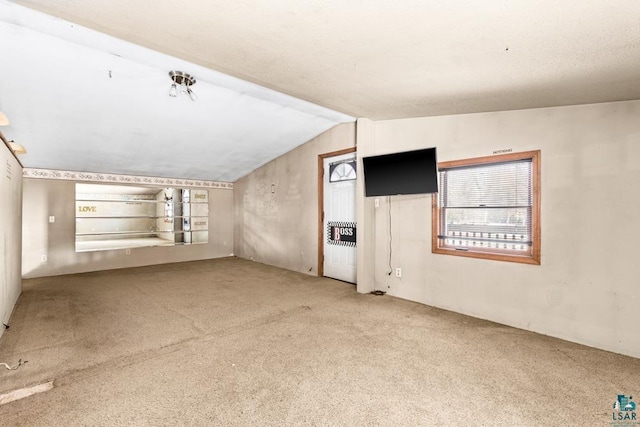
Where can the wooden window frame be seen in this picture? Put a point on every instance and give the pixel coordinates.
(438, 246)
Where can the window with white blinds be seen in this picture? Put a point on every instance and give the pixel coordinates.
(489, 208)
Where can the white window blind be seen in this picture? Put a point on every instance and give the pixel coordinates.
(487, 207)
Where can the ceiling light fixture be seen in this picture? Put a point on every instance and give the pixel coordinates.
(14, 146)
(185, 81)
(4, 121)
(17, 148)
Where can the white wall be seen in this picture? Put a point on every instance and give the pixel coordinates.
(280, 227)
(586, 289)
(45, 197)
(10, 232)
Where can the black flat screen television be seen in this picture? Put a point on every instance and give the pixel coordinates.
(408, 172)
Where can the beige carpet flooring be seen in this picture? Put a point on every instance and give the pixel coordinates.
(230, 342)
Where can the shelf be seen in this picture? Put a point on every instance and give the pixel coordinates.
(140, 217)
(119, 244)
(110, 220)
(138, 233)
(168, 202)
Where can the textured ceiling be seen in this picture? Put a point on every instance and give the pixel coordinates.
(393, 59)
(96, 100)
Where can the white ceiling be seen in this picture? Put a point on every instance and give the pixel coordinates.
(80, 100)
(379, 59)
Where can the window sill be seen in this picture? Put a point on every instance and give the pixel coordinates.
(522, 259)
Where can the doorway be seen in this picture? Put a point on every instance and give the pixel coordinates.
(337, 212)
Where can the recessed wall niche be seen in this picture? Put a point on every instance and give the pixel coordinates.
(112, 217)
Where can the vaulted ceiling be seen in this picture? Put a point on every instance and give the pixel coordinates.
(85, 84)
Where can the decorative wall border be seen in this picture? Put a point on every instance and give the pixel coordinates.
(122, 179)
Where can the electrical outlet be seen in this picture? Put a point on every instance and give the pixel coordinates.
(398, 272)
(44, 258)
(52, 219)
(376, 202)
(127, 251)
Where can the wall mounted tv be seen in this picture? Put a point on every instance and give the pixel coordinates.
(408, 172)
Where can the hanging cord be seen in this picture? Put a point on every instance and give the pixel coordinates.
(390, 236)
(20, 363)
(377, 291)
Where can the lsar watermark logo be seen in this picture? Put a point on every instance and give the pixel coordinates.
(624, 411)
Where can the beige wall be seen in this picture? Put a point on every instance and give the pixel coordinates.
(43, 197)
(586, 289)
(280, 227)
(10, 233)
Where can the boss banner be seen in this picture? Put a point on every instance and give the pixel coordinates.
(341, 233)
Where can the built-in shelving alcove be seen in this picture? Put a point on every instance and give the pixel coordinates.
(110, 217)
